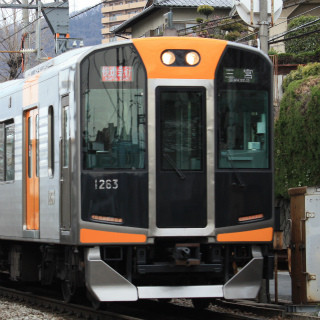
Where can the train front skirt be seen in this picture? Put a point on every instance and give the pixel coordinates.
(105, 284)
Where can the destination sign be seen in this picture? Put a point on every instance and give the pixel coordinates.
(116, 73)
(237, 75)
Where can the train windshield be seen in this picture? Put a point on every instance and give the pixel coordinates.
(113, 109)
(243, 129)
(243, 111)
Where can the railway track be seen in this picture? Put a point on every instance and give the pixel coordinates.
(146, 309)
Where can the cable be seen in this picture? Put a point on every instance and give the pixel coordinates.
(206, 23)
(275, 25)
(82, 12)
(9, 16)
(295, 29)
(294, 37)
(29, 24)
(87, 9)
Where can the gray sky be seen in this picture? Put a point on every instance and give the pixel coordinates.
(76, 5)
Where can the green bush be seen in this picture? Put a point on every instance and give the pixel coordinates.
(309, 42)
(230, 25)
(301, 58)
(297, 131)
(232, 36)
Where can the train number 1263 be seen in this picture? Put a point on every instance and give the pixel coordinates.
(106, 184)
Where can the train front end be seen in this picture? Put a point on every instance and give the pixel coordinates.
(176, 169)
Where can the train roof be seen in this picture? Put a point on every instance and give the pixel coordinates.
(9, 83)
(51, 67)
(68, 57)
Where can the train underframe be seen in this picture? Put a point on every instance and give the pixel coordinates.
(167, 269)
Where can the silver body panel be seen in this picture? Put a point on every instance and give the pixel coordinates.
(312, 221)
(180, 292)
(106, 284)
(153, 230)
(52, 83)
(103, 282)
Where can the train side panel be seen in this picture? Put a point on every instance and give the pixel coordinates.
(49, 168)
(69, 155)
(11, 189)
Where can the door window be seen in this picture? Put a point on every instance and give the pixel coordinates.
(181, 129)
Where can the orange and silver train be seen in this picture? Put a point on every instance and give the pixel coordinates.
(141, 169)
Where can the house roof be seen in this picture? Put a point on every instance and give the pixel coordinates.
(160, 4)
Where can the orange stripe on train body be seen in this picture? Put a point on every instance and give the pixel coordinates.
(259, 235)
(30, 94)
(97, 236)
(150, 50)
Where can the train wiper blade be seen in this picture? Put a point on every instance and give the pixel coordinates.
(239, 182)
(174, 166)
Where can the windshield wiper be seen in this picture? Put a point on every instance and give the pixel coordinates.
(238, 182)
(174, 166)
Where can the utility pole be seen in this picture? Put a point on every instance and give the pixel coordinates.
(38, 30)
(56, 14)
(263, 26)
(25, 31)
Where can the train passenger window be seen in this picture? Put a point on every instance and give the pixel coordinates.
(50, 142)
(7, 151)
(181, 128)
(113, 110)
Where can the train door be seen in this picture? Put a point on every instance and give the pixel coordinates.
(32, 169)
(65, 165)
(181, 162)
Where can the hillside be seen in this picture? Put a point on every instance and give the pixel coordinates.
(87, 26)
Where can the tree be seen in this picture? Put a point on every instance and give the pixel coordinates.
(13, 38)
(205, 10)
(301, 41)
(10, 62)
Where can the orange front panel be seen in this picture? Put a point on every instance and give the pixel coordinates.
(32, 170)
(96, 236)
(259, 235)
(150, 51)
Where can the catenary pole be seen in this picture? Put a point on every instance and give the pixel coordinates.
(263, 26)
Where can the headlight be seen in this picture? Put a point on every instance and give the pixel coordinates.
(168, 58)
(192, 58)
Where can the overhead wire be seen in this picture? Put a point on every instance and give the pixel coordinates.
(87, 9)
(9, 17)
(214, 20)
(275, 25)
(78, 13)
(200, 25)
(29, 24)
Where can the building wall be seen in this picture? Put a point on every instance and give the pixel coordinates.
(155, 24)
(116, 12)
